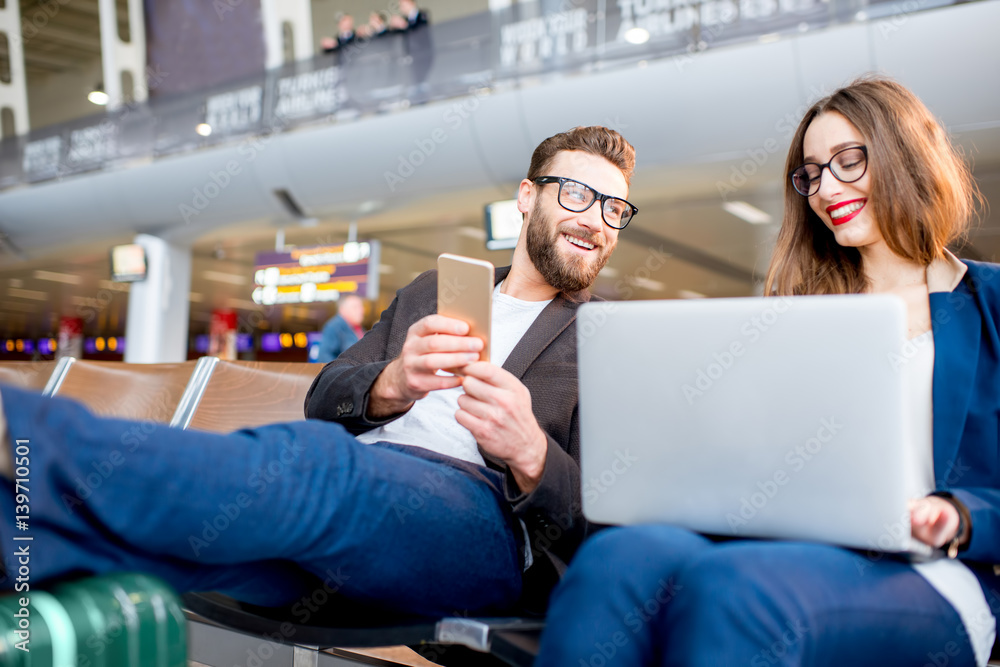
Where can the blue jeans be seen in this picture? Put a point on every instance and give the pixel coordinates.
(661, 595)
(260, 514)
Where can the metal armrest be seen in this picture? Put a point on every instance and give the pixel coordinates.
(193, 392)
(58, 375)
(513, 640)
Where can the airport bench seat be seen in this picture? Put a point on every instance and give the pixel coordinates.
(224, 396)
(141, 392)
(31, 375)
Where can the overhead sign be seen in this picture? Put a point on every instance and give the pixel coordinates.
(309, 94)
(316, 274)
(235, 110)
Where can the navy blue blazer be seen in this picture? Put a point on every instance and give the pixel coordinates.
(967, 405)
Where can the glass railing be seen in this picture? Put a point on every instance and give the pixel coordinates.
(431, 63)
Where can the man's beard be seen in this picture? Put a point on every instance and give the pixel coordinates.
(567, 274)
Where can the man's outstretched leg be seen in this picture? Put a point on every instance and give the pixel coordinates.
(396, 528)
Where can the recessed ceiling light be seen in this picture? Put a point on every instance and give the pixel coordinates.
(477, 233)
(34, 295)
(204, 129)
(746, 212)
(58, 277)
(651, 285)
(220, 277)
(98, 97)
(637, 36)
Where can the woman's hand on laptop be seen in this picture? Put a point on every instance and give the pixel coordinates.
(934, 521)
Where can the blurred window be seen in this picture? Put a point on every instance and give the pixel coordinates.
(7, 123)
(4, 58)
(128, 87)
(288, 41)
(121, 15)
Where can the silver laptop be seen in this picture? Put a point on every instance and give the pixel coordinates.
(774, 418)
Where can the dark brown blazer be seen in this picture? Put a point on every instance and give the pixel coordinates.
(544, 360)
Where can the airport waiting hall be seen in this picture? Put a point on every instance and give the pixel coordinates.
(204, 205)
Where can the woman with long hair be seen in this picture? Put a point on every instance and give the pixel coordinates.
(875, 194)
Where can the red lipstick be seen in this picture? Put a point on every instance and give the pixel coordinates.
(850, 216)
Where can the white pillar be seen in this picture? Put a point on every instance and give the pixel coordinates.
(296, 12)
(15, 93)
(118, 56)
(157, 327)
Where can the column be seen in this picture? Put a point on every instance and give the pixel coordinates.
(14, 95)
(118, 56)
(298, 15)
(157, 327)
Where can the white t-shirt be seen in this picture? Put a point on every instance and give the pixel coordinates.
(430, 423)
(951, 578)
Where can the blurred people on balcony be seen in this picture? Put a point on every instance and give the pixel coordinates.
(343, 329)
(345, 35)
(409, 16)
(376, 26)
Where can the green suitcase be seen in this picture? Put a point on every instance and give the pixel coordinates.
(120, 620)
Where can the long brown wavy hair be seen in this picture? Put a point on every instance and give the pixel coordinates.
(923, 196)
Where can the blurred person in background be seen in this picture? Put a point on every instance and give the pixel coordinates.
(343, 329)
(376, 26)
(345, 35)
(875, 194)
(421, 492)
(409, 16)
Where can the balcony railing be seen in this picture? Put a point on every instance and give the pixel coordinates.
(430, 63)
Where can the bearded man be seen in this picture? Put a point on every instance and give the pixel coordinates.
(424, 492)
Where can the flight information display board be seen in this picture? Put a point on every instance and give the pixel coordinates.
(317, 274)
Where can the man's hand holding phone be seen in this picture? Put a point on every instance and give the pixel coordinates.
(496, 408)
(432, 343)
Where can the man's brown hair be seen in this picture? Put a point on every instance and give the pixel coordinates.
(923, 196)
(596, 140)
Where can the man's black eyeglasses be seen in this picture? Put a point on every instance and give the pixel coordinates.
(578, 197)
(847, 166)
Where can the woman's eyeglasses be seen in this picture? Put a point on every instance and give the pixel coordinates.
(847, 166)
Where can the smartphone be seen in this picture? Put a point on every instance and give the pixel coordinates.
(465, 292)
